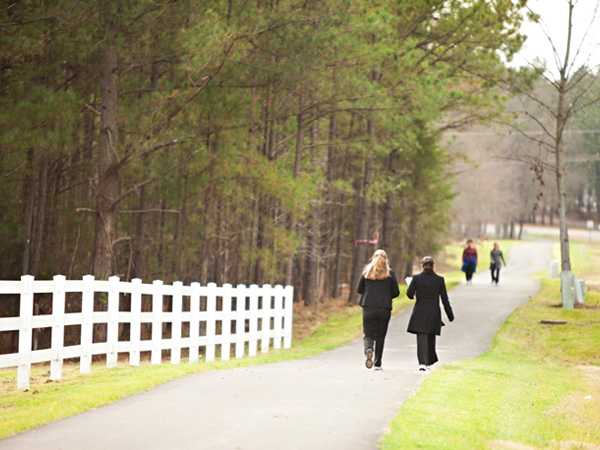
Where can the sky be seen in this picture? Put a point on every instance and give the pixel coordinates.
(554, 14)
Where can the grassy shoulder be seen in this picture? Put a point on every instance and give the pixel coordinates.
(317, 329)
(537, 388)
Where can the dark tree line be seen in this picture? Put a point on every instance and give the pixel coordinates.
(236, 141)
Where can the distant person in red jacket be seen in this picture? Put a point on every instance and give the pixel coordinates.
(469, 259)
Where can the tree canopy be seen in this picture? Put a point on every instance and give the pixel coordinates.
(237, 141)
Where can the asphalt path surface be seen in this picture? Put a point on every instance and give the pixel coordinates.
(330, 401)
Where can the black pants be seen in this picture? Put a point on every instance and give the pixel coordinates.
(495, 270)
(469, 273)
(375, 325)
(426, 349)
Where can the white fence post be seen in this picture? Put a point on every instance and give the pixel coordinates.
(226, 323)
(58, 327)
(266, 317)
(288, 316)
(240, 320)
(278, 316)
(194, 322)
(136, 322)
(25, 332)
(253, 320)
(157, 307)
(112, 333)
(87, 325)
(176, 323)
(211, 308)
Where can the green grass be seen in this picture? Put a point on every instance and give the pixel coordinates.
(538, 385)
(75, 393)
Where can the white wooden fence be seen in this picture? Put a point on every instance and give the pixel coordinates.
(261, 315)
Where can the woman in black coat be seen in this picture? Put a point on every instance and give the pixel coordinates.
(378, 286)
(426, 319)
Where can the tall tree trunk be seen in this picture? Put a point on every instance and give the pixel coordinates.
(561, 123)
(263, 200)
(565, 258)
(386, 222)
(218, 267)
(521, 224)
(329, 220)
(260, 238)
(292, 259)
(337, 261)
(411, 239)
(340, 234)
(138, 239)
(160, 256)
(29, 196)
(40, 213)
(107, 189)
(178, 238)
(313, 251)
(543, 213)
(361, 223)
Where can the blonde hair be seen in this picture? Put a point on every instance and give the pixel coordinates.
(378, 267)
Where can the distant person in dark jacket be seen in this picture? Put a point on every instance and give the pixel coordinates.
(426, 319)
(469, 259)
(496, 262)
(378, 286)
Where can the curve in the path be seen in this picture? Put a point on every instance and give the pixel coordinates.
(327, 402)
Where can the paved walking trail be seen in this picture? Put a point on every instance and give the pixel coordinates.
(327, 402)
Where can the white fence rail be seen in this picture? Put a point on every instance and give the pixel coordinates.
(261, 314)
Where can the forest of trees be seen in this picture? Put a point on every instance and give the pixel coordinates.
(237, 140)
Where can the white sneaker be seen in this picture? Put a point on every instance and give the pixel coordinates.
(422, 368)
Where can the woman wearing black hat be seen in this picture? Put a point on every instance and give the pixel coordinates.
(378, 286)
(426, 319)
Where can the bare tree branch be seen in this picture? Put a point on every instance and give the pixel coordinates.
(130, 191)
(539, 123)
(585, 35)
(150, 210)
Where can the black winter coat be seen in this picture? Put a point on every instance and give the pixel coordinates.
(378, 294)
(426, 316)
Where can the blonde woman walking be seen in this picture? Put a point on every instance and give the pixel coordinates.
(378, 286)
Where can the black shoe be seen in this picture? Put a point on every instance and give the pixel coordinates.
(369, 361)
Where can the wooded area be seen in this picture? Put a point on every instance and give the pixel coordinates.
(237, 141)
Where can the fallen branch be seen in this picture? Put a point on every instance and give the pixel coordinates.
(553, 322)
(149, 210)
